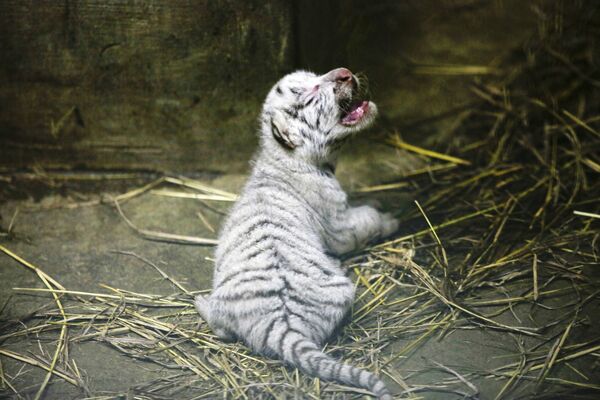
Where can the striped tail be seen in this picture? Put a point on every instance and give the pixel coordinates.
(306, 355)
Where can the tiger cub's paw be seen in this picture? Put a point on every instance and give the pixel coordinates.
(389, 224)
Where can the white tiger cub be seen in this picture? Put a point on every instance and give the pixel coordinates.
(276, 285)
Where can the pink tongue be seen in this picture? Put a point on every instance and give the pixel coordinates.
(355, 114)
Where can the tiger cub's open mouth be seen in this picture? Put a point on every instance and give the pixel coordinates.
(356, 112)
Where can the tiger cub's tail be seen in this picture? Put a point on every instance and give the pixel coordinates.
(305, 355)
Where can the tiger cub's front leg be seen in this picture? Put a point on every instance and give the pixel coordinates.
(354, 228)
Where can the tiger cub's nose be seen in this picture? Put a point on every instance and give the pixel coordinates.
(339, 75)
(342, 76)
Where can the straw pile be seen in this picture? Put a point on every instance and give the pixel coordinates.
(506, 217)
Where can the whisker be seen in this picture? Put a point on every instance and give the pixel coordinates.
(363, 91)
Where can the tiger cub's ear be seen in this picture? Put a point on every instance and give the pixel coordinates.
(282, 133)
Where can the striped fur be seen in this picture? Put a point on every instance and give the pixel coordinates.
(277, 283)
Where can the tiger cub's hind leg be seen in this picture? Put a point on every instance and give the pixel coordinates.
(203, 308)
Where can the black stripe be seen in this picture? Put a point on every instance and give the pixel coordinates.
(313, 263)
(239, 258)
(294, 235)
(331, 366)
(298, 271)
(299, 300)
(308, 322)
(262, 222)
(278, 90)
(298, 106)
(294, 354)
(305, 122)
(299, 352)
(227, 278)
(251, 312)
(233, 243)
(304, 134)
(335, 373)
(268, 332)
(372, 380)
(308, 259)
(316, 258)
(291, 112)
(314, 303)
(310, 361)
(287, 265)
(254, 278)
(318, 313)
(320, 359)
(249, 244)
(336, 284)
(240, 272)
(283, 336)
(246, 246)
(250, 295)
(256, 253)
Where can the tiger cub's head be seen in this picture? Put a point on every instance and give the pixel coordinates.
(309, 115)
